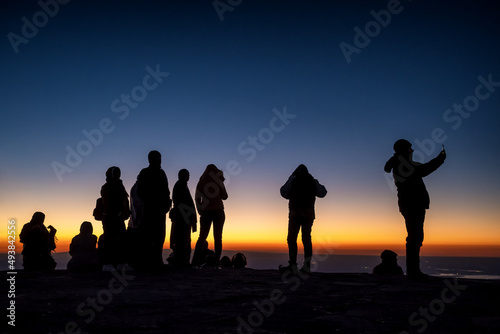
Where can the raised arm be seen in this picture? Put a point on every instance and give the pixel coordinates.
(320, 189)
(287, 188)
(429, 167)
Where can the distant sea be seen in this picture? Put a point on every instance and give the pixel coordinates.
(461, 267)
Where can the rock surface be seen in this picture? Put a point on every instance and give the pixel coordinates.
(249, 301)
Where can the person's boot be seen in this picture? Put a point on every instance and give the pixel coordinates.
(306, 267)
(292, 267)
(413, 263)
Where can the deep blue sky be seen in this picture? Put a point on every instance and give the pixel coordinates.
(226, 77)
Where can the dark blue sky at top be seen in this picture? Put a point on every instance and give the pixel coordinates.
(225, 78)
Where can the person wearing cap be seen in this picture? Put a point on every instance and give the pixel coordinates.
(413, 198)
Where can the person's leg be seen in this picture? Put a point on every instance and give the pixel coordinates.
(182, 244)
(146, 237)
(219, 219)
(157, 239)
(307, 242)
(121, 250)
(293, 232)
(173, 233)
(107, 246)
(161, 237)
(414, 221)
(205, 223)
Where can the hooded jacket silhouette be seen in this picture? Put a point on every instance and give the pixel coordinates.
(301, 189)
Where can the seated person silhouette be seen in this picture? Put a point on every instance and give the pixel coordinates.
(38, 244)
(225, 262)
(83, 251)
(207, 257)
(389, 265)
(239, 260)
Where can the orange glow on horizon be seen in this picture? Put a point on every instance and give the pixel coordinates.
(259, 223)
(334, 249)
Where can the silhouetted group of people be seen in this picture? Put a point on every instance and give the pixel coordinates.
(141, 245)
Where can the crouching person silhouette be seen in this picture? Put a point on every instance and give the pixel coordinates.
(301, 190)
(413, 198)
(38, 244)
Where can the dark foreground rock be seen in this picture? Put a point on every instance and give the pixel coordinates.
(248, 301)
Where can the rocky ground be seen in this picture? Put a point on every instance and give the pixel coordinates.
(248, 301)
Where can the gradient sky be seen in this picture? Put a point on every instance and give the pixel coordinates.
(231, 71)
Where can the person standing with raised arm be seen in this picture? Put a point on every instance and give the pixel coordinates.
(413, 198)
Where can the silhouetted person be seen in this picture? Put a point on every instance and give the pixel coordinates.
(152, 189)
(134, 241)
(135, 208)
(239, 260)
(210, 192)
(225, 262)
(83, 250)
(389, 265)
(413, 198)
(205, 257)
(301, 189)
(115, 211)
(183, 216)
(38, 243)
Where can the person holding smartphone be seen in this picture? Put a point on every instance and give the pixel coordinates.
(413, 198)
